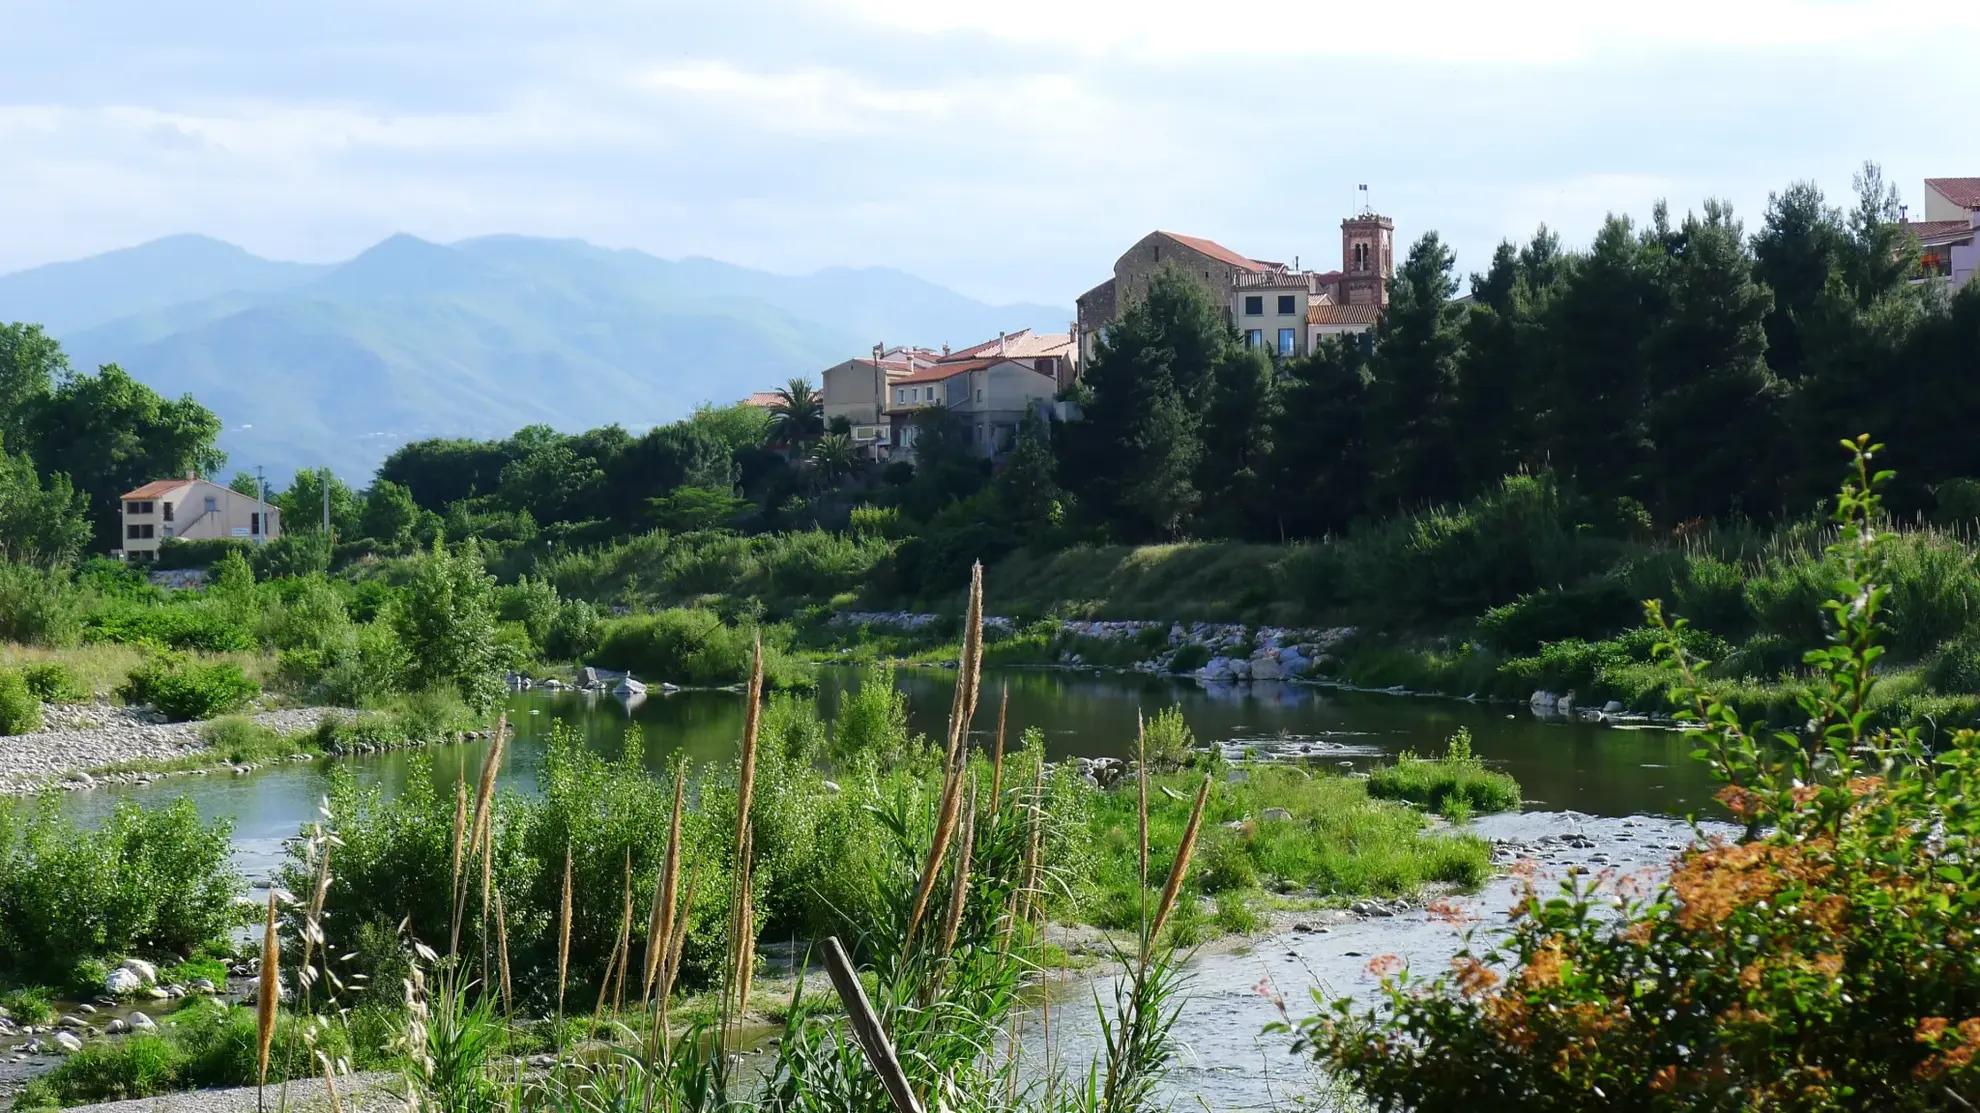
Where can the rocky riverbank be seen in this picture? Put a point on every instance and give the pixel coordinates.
(79, 739)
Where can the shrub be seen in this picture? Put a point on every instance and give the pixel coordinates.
(177, 552)
(193, 625)
(183, 688)
(243, 741)
(20, 708)
(1167, 741)
(1189, 658)
(55, 682)
(1593, 610)
(872, 722)
(573, 634)
(1958, 502)
(446, 624)
(1955, 668)
(38, 606)
(690, 646)
(1456, 785)
(156, 880)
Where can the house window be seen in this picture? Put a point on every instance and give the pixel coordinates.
(1254, 337)
(1285, 305)
(1254, 306)
(212, 504)
(1285, 341)
(254, 523)
(138, 533)
(168, 533)
(139, 507)
(979, 394)
(168, 511)
(1042, 366)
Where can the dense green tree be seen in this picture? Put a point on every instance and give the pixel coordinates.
(1590, 391)
(1026, 491)
(1236, 436)
(42, 522)
(446, 621)
(692, 509)
(1140, 436)
(110, 434)
(1714, 411)
(548, 480)
(31, 363)
(832, 458)
(684, 454)
(1800, 254)
(302, 505)
(390, 515)
(1493, 403)
(1412, 380)
(1318, 470)
(441, 471)
(946, 466)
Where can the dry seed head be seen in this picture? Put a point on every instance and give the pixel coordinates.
(1181, 868)
(270, 991)
(959, 890)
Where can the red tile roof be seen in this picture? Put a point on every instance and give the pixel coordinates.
(763, 399)
(942, 371)
(157, 488)
(1324, 314)
(1217, 251)
(1022, 344)
(1934, 232)
(1964, 192)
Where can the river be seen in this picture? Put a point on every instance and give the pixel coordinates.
(1629, 788)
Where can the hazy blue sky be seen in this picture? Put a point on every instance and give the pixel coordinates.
(1008, 148)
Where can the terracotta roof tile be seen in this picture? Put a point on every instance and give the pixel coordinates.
(1217, 251)
(157, 488)
(763, 399)
(1964, 192)
(1934, 232)
(1327, 314)
(1022, 344)
(942, 371)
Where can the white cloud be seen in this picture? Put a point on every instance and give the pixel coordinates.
(1522, 33)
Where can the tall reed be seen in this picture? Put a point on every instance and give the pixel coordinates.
(268, 993)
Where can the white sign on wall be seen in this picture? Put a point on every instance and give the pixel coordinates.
(241, 531)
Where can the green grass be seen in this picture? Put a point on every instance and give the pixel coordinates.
(1456, 785)
(1192, 581)
(1339, 843)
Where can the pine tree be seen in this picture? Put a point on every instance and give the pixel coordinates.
(1414, 373)
(1237, 440)
(1714, 413)
(1318, 469)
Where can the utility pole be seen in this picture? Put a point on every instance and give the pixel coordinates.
(261, 506)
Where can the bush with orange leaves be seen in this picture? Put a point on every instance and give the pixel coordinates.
(1827, 960)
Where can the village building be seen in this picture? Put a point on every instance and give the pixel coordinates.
(873, 394)
(1948, 249)
(1275, 306)
(192, 509)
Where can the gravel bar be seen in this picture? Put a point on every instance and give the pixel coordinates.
(98, 736)
(371, 1092)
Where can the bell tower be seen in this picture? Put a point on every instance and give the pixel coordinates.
(1367, 258)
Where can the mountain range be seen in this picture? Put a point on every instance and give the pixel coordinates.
(337, 364)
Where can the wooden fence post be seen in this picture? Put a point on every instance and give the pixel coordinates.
(866, 1026)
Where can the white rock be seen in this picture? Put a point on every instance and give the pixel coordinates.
(146, 972)
(116, 1027)
(140, 1022)
(1613, 707)
(1267, 668)
(1280, 815)
(68, 1042)
(122, 983)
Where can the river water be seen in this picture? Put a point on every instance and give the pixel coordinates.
(1629, 789)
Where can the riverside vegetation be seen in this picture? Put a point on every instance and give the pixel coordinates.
(818, 830)
(1824, 960)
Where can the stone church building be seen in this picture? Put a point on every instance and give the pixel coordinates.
(1273, 305)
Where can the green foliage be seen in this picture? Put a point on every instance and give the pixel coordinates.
(1189, 658)
(292, 554)
(208, 629)
(38, 607)
(1957, 502)
(54, 682)
(43, 523)
(689, 646)
(242, 741)
(447, 627)
(156, 880)
(184, 688)
(20, 707)
(1838, 922)
(1167, 741)
(177, 552)
(1456, 785)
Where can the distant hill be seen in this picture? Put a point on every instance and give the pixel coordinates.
(311, 365)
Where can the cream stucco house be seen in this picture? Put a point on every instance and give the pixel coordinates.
(192, 509)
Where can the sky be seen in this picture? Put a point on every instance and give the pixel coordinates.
(1010, 149)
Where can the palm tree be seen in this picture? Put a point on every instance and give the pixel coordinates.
(798, 414)
(834, 457)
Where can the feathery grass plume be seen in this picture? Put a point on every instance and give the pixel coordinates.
(460, 828)
(959, 890)
(330, 1083)
(484, 794)
(625, 941)
(266, 998)
(969, 667)
(997, 756)
(741, 914)
(502, 949)
(1177, 871)
(564, 936)
(673, 966)
(487, 882)
(313, 921)
(746, 938)
(666, 889)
